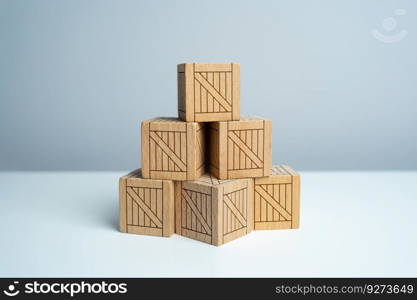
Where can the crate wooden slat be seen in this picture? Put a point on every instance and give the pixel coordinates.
(214, 211)
(146, 206)
(240, 149)
(277, 200)
(173, 149)
(208, 92)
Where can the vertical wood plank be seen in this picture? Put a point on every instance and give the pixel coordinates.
(171, 144)
(199, 97)
(261, 145)
(276, 196)
(242, 164)
(249, 202)
(145, 149)
(295, 223)
(270, 210)
(178, 207)
(248, 139)
(229, 86)
(281, 199)
(189, 92)
(210, 99)
(223, 154)
(198, 203)
(152, 151)
(209, 209)
(177, 147)
(168, 208)
(141, 213)
(183, 151)
(257, 207)
(217, 215)
(153, 203)
(129, 210)
(193, 215)
(255, 142)
(184, 214)
(158, 158)
(230, 156)
(191, 148)
(236, 91)
(288, 198)
(122, 205)
(189, 212)
(147, 197)
(268, 147)
(164, 155)
(135, 213)
(159, 204)
(236, 153)
(222, 82)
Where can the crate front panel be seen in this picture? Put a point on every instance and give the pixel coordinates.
(235, 213)
(196, 213)
(246, 150)
(273, 206)
(168, 151)
(144, 210)
(213, 93)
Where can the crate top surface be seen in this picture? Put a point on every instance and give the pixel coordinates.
(225, 66)
(137, 174)
(248, 119)
(210, 180)
(165, 120)
(281, 170)
(134, 174)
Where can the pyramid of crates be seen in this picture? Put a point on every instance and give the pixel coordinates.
(208, 174)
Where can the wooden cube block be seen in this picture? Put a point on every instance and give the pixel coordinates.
(208, 92)
(239, 149)
(173, 149)
(146, 205)
(277, 199)
(214, 211)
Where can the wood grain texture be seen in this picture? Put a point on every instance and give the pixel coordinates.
(277, 200)
(173, 149)
(146, 206)
(214, 211)
(208, 92)
(240, 149)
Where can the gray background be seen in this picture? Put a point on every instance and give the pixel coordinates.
(77, 77)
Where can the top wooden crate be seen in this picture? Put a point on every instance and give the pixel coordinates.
(208, 92)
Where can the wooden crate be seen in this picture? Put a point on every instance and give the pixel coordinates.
(146, 205)
(173, 149)
(208, 92)
(214, 211)
(277, 199)
(239, 149)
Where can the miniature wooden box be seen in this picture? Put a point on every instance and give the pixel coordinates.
(146, 205)
(214, 211)
(239, 149)
(173, 149)
(277, 199)
(208, 92)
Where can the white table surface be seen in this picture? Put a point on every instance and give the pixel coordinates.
(66, 224)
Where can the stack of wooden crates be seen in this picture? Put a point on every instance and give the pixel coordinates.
(208, 174)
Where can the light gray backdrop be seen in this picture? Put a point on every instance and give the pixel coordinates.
(77, 77)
